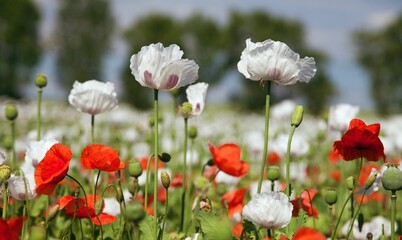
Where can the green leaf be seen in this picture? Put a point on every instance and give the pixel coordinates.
(147, 228)
(214, 227)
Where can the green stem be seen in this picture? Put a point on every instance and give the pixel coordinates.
(357, 213)
(288, 186)
(39, 114)
(266, 134)
(393, 212)
(156, 158)
(147, 182)
(166, 211)
(14, 155)
(183, 205)
(5, 201)
(92, 128)
(340, 216)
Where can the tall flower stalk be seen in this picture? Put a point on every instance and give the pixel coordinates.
(156, 158)
(266, 134)
(11, 113)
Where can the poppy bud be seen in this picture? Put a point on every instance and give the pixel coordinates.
(350, 183)
(133, 187)
(360, 221)
(37, 233)
(151, 121)
(5, 172)
(369, 236)
(297, 116)
(192, 132)
(135, 212)
(210, 162)
(273, 173)
(134, 168)
(11, 111)
(41, 80)
(370, 180)
(165, 179)
(53, 212)
(186, 109)
(98, 206)
(165, 157)
(8, 142)
(331, 196)
(392, 178)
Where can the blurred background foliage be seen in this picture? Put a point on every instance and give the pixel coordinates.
(84, 33)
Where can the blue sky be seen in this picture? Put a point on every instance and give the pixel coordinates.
(328, 26)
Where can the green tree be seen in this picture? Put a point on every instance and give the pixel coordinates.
(380, 54)
(19, 46)
(83, 37)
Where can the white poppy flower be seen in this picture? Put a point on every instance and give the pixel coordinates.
(16, 186)
(163, 68)
(93, 97)
(269, 210)
(275, 61)
(340, 115)
(196, 95)
(374, 226)
(36, 151)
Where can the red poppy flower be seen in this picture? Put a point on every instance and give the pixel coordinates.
(303, 201)
(102, 157)
(234, 201)
(11, 228)
(360, 140)
(77, 206)
(52, 169)
(273, 158)
(227, 158)
(306, 233)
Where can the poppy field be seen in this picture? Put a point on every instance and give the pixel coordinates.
(95, 168)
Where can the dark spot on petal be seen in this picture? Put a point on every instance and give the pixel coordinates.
(148, 79)
(172, 81)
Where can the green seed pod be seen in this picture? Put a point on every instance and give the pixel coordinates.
(392, 178)
(11, 111)
(37, 233)
(135, 212)
(273, 173)
(186, 109)
(5, 172)
(41, 80)
(350, 183)
(297, 116)
(165, 179)
(331, 196)
(134, 168)
(98, 206)
(192, 132)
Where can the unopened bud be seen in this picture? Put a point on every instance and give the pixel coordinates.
(392, 178)
(192, 132)
(5, 172)
(135, 212)
(41, 80)
(98, 206)
(273, 173)
(297, 116)
(11, 111)
(133, 187)
(165, 157)
(165, 179)
(370, 180)
(331, 197)
(350, 183)
(53, 212)
(134, 168)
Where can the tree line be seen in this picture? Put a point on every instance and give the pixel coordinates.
(85, 29)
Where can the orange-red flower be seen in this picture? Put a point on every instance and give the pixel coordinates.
(52, 169)
(227, 158)
(303, 201)
(360, 140)
(234, 201)
(306, 233)
(102, 157)
(77, 206)
(11, 228)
